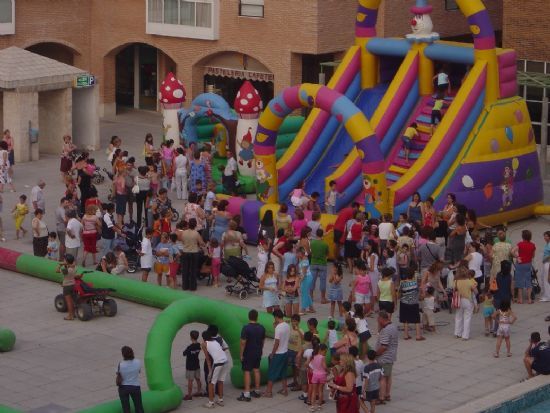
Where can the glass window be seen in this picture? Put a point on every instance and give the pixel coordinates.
(204, 15)
(451, 5)
(187, 13)
(535, 111)
(534, 93)
(520, 65)
(155, 11)
(6, 11)
(251, 8)
(171, 12)
(537, 67)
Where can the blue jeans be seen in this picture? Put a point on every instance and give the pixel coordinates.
(319, 271)
(125, 392)
(106, 246)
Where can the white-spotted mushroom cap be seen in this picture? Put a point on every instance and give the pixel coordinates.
(171, 91)
(248, 103)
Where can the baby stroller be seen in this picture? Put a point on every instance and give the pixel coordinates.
(245, 278)
(131, 244)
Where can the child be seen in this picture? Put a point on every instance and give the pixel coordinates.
(488, 310)
(192, 366)
(390, 261)
(68, 269)
(19, 212)
(174, 264)
(146, 254)
(216, 360)
(436, 111)
(302, 361)
(90, 166)
(121, 261)
(362, 328)
(209, 199)
(162, 254)
(312, 204)
(330, 198)
(215, 253)
(289, 257)
(318, 367)
(312, 327)
(295, 343)
(335, 292)
(403, 259)
(157, 224)
(359, 366)
(428, 307)
(410, 133)
(264, 245)
(386, 288)
(331, 337)
(505, 319)
(347, 309)
(371, 380)
(299, 197)
(53, 247)
(154, 178)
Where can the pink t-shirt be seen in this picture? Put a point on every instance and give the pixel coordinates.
(363, 284)
(298, 226)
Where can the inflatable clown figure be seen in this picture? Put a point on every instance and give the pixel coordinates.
(248, 105)
(421, 24)
(171, 97)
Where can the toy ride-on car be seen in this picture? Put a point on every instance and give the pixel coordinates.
(88, 301)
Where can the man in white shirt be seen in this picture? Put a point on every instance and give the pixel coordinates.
(73, 234)
(229, 178)
(279, 355)
(37, 196)
(217, 366)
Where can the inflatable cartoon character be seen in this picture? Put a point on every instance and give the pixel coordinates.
(263, 188)
(508, 186)
(371, 198)
(246, 154)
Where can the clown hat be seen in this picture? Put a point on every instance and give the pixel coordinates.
(421, 7)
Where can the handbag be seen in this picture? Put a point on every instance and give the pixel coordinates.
(455, 302)
(118, 380)
(493, 286)
(135, 188)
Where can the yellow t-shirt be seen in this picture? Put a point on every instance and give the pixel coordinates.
(464, 288)
(410, 133)
(438, 104)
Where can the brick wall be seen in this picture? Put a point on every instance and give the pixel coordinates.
(527, 28)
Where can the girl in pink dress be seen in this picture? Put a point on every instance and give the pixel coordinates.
(318, 366)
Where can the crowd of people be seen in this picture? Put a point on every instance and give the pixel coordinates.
(422, 262)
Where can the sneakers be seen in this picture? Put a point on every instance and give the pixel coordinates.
(243, 398)
(302, 397)
(255, 394)
(209, 405)
(220, 402)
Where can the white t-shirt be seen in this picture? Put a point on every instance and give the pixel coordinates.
(332, 338)
(475, 263)
(282, 333)
(181, 162)
(147, 250)
(75, 227)
(210, 197)
(385, 230)
(38, 196)
(359, 366)
(442, 78)
(129, 370)
(216, 352)
(231, 167)
(361, 325)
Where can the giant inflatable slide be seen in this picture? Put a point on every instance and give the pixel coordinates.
(483, 150)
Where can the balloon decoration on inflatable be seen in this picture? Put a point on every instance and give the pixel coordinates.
(171, 97)
(494, 145)
(488, 190)
(519, 115)
(467, 181)
(509, 134)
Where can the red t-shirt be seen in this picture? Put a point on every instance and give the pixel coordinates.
(344, 216)
(526, 251)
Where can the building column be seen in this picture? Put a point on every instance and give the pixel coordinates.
(136, 76)
(20, 114)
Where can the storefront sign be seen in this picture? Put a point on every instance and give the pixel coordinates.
(84, 81)
(239, 74)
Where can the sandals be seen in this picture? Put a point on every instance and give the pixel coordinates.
(420, 338)
(268, 395)
(283, 392)
(68, 318)
(509, 355)
(496, 355)
(407, 338)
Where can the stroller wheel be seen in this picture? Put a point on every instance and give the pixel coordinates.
(175, 215)
(98, 179)
(132, 268)
(243, 295)
(228, 290)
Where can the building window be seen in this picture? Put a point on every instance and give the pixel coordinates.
(7, 17)
(451, 5)
(534, 95)
(251, 8)
(198, 19)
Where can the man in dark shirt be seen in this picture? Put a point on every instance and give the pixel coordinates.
(537, 356)
(192, 365)
(252, 344)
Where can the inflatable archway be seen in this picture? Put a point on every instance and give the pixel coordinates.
(343, 109)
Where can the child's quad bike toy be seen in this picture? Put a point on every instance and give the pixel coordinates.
(88, 301)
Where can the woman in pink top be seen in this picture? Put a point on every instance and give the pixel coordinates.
(299, 222)
(361, 286)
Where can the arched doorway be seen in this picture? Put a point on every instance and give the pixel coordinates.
(224, 73)
(56, 51)
(138, 70)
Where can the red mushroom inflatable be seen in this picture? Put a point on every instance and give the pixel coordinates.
(248, 105)
(171, 96)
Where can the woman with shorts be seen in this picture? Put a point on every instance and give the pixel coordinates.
(361, 287)
(291, 287)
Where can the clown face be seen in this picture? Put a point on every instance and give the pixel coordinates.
(422, 25)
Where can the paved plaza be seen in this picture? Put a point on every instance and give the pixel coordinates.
(60, 366)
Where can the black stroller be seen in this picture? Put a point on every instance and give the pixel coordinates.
(131, 244)
(245, 278)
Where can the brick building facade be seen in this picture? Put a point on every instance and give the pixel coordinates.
(114, 40)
